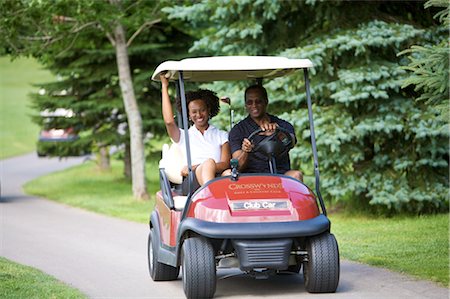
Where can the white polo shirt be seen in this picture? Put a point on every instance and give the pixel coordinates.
(204, 146)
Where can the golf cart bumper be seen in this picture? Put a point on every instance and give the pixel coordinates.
(262, 230)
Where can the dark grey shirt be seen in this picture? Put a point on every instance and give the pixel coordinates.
(258, 162)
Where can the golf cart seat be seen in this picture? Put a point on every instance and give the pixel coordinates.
(171, 163)
(179, 201)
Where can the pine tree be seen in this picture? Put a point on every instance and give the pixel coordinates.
(53, 32)
(429, 64)
(376, 144)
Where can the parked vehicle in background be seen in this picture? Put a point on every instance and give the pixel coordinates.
(59, 141)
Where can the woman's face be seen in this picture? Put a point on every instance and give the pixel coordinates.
(198, 113)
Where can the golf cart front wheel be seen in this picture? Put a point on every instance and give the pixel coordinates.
(158, 271)
(199, 268)
(321, 271)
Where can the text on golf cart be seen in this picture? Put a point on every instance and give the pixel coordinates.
(255, 186)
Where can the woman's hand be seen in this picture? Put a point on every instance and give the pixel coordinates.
(164, 80)
(185, 171)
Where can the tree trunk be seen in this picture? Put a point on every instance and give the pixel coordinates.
(134, 117)
(103, 160)
(127, 161)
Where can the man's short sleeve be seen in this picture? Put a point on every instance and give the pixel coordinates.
(235, 138)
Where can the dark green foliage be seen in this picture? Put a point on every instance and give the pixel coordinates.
(63, 149)
(429, 64)
(80, 53)
(376, 144)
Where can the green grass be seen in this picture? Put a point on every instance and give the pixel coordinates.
(417, 246)
(17, 281)
(107, 193)
(18, 135)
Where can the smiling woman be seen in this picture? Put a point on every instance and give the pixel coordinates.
(18, 135)
(209, 146)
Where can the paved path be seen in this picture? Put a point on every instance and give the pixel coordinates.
(106, 257)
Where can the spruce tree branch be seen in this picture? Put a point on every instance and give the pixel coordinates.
(111, 39)
(156, 8)
(70, 46)
(108, 35)
(78, 29)
(12, 45)
(136, 3)
(40, 30)
(49, 42)
(37, 38)
(143, 26)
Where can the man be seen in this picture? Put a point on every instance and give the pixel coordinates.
(256, 102)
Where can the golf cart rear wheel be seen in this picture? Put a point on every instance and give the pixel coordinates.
(199, 268)
(158, 271)
(321, 271)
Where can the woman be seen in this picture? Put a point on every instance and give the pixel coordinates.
(210, 151)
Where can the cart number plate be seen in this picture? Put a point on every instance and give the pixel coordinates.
(258, 205)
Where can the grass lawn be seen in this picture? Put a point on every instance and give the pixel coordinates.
(417, 246)
(17, 281)
(18, 135)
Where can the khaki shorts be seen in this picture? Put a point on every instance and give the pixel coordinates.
(185, 185)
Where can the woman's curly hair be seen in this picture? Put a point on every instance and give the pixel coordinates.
(209, 97)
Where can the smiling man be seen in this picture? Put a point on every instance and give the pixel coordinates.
(256, 102)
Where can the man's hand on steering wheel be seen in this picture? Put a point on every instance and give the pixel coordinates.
(268, 127)
(247, 146)
(276, 141)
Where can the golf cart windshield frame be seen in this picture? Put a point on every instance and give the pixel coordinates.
(208, 69)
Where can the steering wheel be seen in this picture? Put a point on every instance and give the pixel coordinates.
(275, 145)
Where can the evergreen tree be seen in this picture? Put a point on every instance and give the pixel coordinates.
(65, 33)
(429, 65)
(88, 78)
(376, 144)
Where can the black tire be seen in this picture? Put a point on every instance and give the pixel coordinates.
(158, 271)
(321, 271)
(199, 268)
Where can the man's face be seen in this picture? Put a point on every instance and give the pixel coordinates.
(255, 104)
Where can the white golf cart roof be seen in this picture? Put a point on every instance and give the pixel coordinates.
(206, 69)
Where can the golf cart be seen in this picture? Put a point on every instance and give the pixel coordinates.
(57, 139)
(263, 223)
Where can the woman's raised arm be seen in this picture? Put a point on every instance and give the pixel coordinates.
(171, 126)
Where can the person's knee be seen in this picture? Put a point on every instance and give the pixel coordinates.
(209, 165)
(206, 171)
(296, 174)
(226, 172)
(209, 162)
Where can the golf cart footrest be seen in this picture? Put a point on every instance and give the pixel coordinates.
(271, 254)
